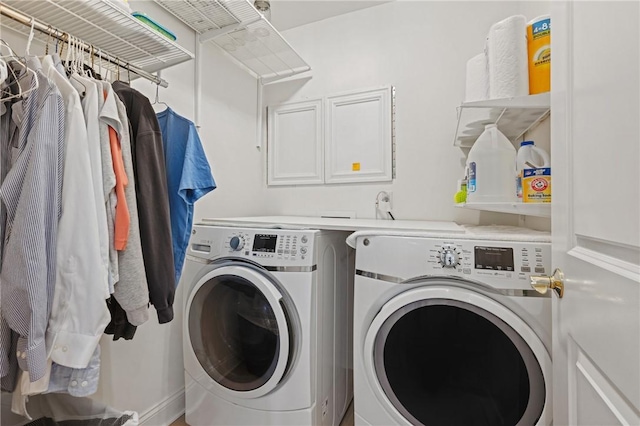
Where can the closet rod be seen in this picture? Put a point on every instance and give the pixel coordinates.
(60, 35)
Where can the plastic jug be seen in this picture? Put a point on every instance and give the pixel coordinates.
(492, 165)
(529, 157)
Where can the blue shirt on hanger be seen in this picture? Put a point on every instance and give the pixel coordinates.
(189, 178)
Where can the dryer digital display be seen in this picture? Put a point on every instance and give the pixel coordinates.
(494, 258)
(265, 243)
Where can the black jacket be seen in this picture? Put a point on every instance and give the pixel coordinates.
(153, 199)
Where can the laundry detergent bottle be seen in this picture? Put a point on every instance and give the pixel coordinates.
(492, 166)
(529, 157)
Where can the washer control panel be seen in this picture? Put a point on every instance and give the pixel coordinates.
(285, 246)
(269, 247)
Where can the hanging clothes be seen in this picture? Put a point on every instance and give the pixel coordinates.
(8, 143)
(85, 223)
(189, 178)
(119, 326)
(9, 128)
(31, 193)
(90, 107)
(122, 218)
(79, 314)
(132, 290)
(108, 183)
(152, 197)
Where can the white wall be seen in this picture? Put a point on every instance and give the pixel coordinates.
(421, 48)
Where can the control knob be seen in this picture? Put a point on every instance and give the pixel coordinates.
(236, 243)
(449, 257)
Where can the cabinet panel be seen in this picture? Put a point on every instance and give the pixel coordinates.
(295, 154)
(358, 145)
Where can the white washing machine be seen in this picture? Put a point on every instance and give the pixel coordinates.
(447, 329)
(267, 330)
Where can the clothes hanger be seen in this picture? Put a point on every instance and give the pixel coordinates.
(4, 73)
(157, 100)
(73, 65)
(4, 69)
(64, 38)
(100, 62)
(9, 69)
(30, 38)
(46, 47)
(90, 71)
(86, 70)
(16, 79)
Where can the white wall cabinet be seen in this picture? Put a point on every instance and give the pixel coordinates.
(358, 143)
(341, 138)
(295, 150)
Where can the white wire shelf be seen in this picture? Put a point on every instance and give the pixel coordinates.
(513, 116)
(528, 209)
(105, 25)
(242, 32)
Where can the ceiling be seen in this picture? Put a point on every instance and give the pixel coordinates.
(286, 14)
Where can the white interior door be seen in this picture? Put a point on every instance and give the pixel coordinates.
(596, 212)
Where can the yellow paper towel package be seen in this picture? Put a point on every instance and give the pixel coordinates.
(536, 185)
(539, 51)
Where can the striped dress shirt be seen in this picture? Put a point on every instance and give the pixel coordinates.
(9, 133)
(31, 193)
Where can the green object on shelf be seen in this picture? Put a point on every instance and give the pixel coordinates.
(460, 197)
(153, 24)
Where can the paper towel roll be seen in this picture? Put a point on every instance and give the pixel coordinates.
(477, 88)
(507, 56)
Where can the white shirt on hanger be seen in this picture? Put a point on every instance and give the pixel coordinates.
(91, 116)
(79, 313)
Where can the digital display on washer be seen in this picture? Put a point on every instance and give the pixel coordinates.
(265, 243)
(494, 258)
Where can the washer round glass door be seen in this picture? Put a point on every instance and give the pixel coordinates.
(239, 330)
(450, 356)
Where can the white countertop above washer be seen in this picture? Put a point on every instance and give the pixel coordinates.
(339, 224)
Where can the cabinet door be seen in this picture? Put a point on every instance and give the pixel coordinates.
(295, 155)
(358, 142)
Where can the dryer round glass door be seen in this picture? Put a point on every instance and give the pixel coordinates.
(239, 330)
(450, 356)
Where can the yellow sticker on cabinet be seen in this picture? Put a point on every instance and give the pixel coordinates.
(355, 167)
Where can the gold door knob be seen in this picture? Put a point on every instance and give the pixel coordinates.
(541, 283)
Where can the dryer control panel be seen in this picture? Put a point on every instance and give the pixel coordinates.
(506, 262)
(484, 259)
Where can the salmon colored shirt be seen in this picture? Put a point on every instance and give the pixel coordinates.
(122, 219)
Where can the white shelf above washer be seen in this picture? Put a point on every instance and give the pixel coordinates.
(513, 116)
(242, 32)
(107, 26)
(528, 209)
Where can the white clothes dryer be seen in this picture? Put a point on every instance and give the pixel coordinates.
(267, 326)
(447, 329)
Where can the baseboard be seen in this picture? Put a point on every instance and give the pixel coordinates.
(166, 412)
